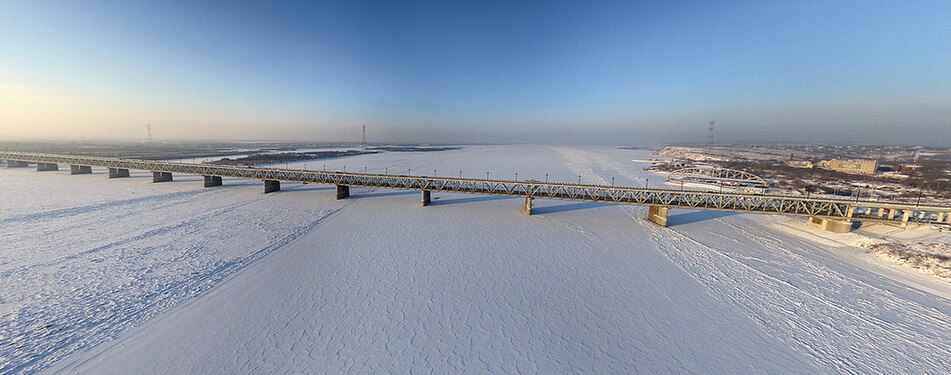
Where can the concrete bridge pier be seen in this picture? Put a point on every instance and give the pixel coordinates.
(17, 164)
(528, 206)
(42, 167)
(80, 169)
(211, 181)
(831, 225)
(161, 176)
(118, 173)
(905, 215)
(658, 215)
(427, 198)
(271, 186)
(343, 191)
(880, 212)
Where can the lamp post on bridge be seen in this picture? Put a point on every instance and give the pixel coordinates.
(579, 179)
(647, 182)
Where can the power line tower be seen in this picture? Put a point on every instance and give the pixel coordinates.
(364, 142)
(710, 142)
(148, 129)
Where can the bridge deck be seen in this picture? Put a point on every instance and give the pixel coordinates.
(865, 210)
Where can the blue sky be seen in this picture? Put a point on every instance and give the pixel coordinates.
(563, 72)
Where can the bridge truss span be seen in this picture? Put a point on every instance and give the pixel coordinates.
(838, 209)
(718, 174)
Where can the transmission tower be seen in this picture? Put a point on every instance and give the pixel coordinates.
(148, 129)
(710, 142)
(364, 143)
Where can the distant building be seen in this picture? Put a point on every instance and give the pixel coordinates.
(800, 164)
(855, 166)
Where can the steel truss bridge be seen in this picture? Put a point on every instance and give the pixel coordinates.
(719, 174)
(660, 200)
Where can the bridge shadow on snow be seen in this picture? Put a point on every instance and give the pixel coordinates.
(481, 198)
(240, 182)
(358, 195)
(568, 207)
(696, 216)
(304, 187)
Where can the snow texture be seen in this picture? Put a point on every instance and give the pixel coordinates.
(930, 258)
(126, 276)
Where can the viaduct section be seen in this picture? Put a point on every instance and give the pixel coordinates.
(835, 215)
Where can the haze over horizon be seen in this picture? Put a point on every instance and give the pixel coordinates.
(483, 72)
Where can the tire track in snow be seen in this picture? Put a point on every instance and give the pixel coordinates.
(135, 209)
(38, 335)
(834, 335)
(822, 328)
(156, 302)
(148, 233)
(81, 209)
(937, 322)
(110, 223)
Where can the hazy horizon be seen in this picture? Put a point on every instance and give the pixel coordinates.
(619, 73)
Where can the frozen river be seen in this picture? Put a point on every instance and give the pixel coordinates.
(126, 276)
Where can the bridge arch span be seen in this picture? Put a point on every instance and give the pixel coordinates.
(720, 174)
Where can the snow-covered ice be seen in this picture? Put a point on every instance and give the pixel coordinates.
(126, 276)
